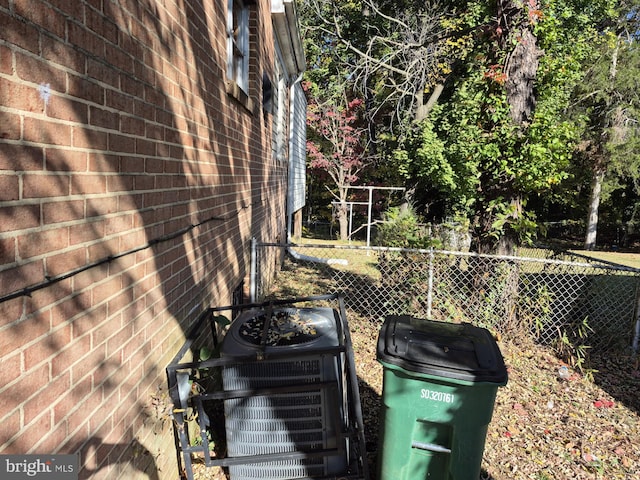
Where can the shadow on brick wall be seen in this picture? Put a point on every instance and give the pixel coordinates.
(147, 167)
(127, 460)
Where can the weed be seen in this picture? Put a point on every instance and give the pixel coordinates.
(574, 349)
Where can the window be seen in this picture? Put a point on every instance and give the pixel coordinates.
(238, 44)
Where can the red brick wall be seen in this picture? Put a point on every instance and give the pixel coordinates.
(116, 131)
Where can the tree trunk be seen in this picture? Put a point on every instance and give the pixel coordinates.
(343, 220)
(594, 204)
(521, 69)
(423, 109)
(484, 238)
(481, 242)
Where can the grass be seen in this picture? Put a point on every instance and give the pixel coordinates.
(626, 259)
(359, 261)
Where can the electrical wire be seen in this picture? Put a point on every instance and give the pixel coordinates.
(27, 291)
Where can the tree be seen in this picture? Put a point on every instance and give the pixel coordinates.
(396, 53)
(335, 147)
(471, 96)
(500, 135)
(608, 104)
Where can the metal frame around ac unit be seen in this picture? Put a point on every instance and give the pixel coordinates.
(357, 468)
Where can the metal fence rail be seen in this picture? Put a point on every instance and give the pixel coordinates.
(552, 296)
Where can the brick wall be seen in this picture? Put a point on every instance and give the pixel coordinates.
(121, 152)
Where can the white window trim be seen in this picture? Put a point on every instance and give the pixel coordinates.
(238, 44)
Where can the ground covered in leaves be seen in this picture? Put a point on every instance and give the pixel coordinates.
(543, 427)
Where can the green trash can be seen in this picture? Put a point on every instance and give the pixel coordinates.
(439, 387)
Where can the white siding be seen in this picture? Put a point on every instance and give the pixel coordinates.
(297, 150)
(279, 91)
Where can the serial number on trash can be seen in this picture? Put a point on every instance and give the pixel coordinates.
(427, 394)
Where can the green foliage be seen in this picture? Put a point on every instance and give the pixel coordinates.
(400, 228)
(573, 347)
(197, 440)
(620, 122)
(221, 321)
(523, 224)
(469, 157)
(424, 158)
(205, 353)
(605, 105)
(535, 306)
(470, 151)
(482, 163)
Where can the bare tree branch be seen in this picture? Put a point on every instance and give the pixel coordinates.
(405, 55)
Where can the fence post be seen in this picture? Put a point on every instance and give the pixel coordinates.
(636, 336)
(253, 276)
(430, 284)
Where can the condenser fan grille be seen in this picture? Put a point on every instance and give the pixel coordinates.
(286, 327)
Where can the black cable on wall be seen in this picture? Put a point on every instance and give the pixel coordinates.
(27, 291)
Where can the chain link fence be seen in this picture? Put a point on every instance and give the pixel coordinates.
(556, 297)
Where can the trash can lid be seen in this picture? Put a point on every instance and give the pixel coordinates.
(458, 351)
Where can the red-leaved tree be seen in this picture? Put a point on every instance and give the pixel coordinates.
(335, 146)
